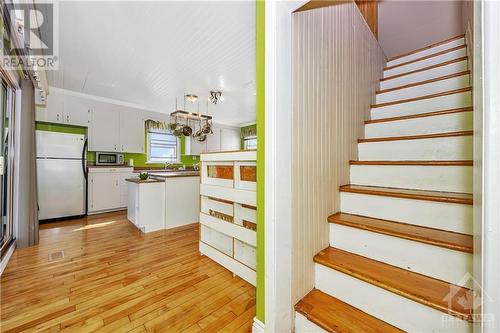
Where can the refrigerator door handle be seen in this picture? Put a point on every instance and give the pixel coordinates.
(84, 153)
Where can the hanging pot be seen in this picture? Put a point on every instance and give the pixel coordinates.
(177, 132)
(202, 138)
(187, 131)
(172, 126)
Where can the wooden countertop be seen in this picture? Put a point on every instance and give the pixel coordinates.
(147, 181)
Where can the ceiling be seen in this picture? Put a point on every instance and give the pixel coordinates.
(149, 53)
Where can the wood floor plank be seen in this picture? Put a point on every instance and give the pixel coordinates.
(112, 278)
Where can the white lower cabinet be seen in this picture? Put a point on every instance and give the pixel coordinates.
(107, 189)
(146, 205)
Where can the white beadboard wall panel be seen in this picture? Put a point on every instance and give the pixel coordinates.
(336, 66)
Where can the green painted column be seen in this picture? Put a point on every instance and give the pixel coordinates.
(260, 86)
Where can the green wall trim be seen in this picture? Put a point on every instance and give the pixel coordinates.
(260, 102)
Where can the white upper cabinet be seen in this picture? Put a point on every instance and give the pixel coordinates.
(105, 129)
(132, 135)
(65, 109)
(194, 147)
(53, 112)
(230, 139)
(76, 111)
(213, 140)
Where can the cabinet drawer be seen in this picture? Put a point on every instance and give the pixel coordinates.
(217, 240)
(245, 253)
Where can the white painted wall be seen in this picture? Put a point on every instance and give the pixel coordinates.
(404, 26)
(336, 67)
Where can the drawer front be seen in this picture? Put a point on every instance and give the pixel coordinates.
(217, 240)
(245, 254)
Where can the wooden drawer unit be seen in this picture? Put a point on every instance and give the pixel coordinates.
(228, 212)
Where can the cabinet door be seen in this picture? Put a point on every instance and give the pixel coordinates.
(131, 131)
(213, 141)
(104, 191)
(230, 139)
(77, 111)
(53, 112)
(105, 128)
(123, 184)
(194, 147)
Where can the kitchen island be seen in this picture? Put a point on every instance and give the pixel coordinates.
(168, 199)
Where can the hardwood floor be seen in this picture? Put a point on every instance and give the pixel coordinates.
(112, 278)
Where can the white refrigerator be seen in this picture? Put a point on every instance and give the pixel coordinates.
(61, 173)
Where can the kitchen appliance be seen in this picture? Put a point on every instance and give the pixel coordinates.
(62, 174)
(102, 158)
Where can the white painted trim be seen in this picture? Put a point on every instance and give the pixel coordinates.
(487, 160)
(233, 230)
(6, 257)
(258, 326)
(230, 194)
(278, 179)
(240, 155)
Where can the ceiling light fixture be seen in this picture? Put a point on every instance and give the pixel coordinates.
(215, 97)
(191, 98)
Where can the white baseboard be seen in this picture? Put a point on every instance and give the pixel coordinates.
(5, 259)
(258, 326)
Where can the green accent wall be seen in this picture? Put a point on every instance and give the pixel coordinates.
(260, 101)
(139, 159)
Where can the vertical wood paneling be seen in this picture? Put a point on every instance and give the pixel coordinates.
(336, 67)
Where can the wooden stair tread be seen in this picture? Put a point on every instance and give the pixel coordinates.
(417, 163)
(417, 137)
(426, 57)
(436, 79)
(413, 99)
(420, 115)
(333, 315)
(440, 295)
(445, 63)
(427, 47)
(458, 198)
(442, 238)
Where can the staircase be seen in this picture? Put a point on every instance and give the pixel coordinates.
(400, 254)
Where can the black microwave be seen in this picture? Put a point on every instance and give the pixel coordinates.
(102, 158)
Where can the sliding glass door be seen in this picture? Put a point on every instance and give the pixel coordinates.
(7, 96)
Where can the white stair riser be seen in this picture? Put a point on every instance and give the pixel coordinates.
(433, 214)
(435, 87)
(423, 53)
(453, 122)
(428, 74)
(303, 325)
(385, 305)
(447, 265)
(426, 62)
(430, 178)
(446, 148)
(447, 102)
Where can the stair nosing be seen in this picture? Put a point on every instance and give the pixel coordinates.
(336, 219)
(419, 83)
(426, 57)
(427, 47)
(420, 115)
(442, 64)
(417, 137)
(398, 291)
(415, 163)
(408, 100)
(399, 193)
(302, 307)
